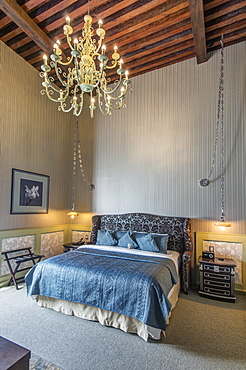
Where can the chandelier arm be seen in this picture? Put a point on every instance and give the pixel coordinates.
(99, 79)
(49, 96)
(108, 113)
(122, 96)
(99, 46)
(69, 39)
(114, 89)
(70, 59)
(63, 109)
(120, 104)
(58, 75)
(51, 84)
(114, 64)
(100, 104)
(80, 105)
(63, 98)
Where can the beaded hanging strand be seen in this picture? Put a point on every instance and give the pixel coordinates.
(77, 151)
(220, 116)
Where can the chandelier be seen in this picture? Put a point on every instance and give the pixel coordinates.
(84, 72)
(219, 124)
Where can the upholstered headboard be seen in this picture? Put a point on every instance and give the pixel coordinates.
(178, 229)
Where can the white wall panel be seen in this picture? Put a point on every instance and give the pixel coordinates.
(52, 244)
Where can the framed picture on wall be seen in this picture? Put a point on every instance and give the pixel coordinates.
(29, 192)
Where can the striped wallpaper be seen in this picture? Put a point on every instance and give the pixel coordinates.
(34, 137)
(150, 156)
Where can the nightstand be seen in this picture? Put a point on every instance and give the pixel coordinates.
(69, 247)
(217, 278)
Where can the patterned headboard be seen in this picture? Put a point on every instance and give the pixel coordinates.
(178, 229)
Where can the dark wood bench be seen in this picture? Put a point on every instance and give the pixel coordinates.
(20, 256)
(13, 356)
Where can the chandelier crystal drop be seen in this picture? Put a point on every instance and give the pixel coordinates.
(84, 72)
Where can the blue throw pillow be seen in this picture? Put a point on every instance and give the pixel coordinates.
(127, 239)
(147, 243)
(104, 237)
(118, 234)
(161, 241)
(100, 235)
(137, 235)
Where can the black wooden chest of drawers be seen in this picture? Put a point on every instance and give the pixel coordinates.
(217, 278)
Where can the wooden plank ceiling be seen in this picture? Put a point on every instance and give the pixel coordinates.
(149, 34)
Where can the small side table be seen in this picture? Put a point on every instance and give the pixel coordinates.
(13, 356)
(217, 278)
(69, 247)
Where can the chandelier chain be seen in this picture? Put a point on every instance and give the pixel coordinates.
(74, 163)
(219, 108)
(222, 131)
(78, 155)
(219, 125)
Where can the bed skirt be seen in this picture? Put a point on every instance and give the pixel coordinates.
(108, 318)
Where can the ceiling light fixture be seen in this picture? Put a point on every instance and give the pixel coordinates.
(84, 72)
(220, 122)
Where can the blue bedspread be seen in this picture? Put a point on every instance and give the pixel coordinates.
(133, 285)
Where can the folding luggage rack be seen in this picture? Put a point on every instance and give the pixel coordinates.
(25, 256)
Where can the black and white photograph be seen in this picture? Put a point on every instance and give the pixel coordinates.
(29, 193)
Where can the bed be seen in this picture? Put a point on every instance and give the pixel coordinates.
(129, 276)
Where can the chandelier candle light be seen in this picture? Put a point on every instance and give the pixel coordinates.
(85, 72)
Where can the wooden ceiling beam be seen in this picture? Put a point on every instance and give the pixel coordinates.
(198, 28)
(29, 5)
(222, 27)
(22, 19)
(165, 54)
(158, 49)
(121, 41)
(230, 8)
(160, 63)
(160, 22)
(124, 36)
(213, 3)
(80, 11)
(156, 43)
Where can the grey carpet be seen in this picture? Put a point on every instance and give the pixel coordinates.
(202, 333)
